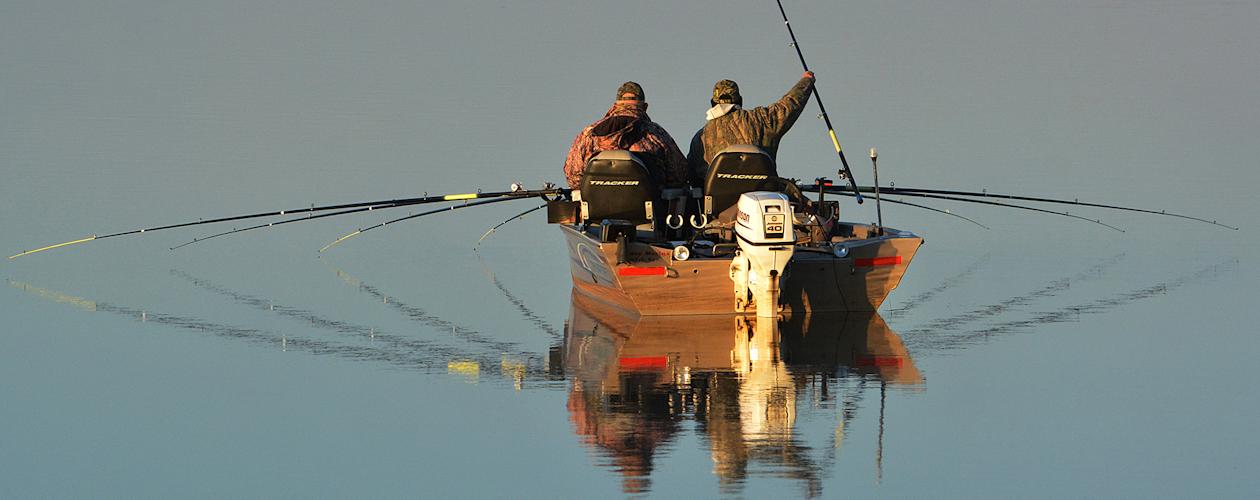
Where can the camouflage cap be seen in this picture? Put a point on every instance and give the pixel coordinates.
(726, 91)
(630, 91)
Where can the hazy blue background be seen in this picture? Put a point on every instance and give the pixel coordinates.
(121, 115)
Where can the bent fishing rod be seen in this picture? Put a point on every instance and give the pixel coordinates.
(505, 222)
(942, 193)
(846, 192)
(846, 172)
(413, 216)
(924, 207)
(984, 194)
(518, 193)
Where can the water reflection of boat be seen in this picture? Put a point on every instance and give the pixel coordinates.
(635, 379)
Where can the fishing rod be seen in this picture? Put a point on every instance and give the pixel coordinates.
(311, 209)
(289, 221)
(925, 207)
(413, 216)
(501, 224)
(841, 190)
(985, 194)
(848, 174)
(515, 194)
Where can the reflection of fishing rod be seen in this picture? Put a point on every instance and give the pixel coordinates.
(528, 314)
(879, 449)
(308, 210)
(401, 351)
(947, 195)
(413, 216)
(846, 192)
(848, 174)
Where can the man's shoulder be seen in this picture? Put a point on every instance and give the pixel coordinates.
(654, 128)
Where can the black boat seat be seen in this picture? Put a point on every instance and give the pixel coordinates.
(616, 185)
(738, 169)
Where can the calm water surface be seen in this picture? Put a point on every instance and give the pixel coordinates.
(1043, 358)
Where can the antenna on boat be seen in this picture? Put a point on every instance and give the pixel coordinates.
(844, 171)
(879, 214)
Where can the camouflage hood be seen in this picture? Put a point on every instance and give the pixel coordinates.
(622, 126)
(626, 126)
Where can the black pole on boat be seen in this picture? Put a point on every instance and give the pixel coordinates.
(879, 214)
(848, 174)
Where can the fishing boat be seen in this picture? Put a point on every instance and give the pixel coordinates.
(738, 245)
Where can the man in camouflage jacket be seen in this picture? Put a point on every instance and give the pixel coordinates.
(626, 126)
(729, 124)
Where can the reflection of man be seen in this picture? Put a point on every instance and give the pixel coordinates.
(728, 123)
(626, 126)
(628, 433)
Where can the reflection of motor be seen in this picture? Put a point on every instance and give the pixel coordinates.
(763, 228)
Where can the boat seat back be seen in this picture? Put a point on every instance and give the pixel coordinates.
(616, 185)
(736, 170)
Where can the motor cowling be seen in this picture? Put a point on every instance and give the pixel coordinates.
(763, 228)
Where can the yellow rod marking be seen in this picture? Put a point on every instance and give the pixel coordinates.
(834, 141)
(50, 247)
(339, 240)
(469, 196)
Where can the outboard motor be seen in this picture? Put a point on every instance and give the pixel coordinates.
(763, 227)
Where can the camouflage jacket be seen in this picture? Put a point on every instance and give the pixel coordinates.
(626, 126)
(761, 127)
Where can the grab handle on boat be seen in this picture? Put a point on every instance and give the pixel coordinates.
(669, 221)
(704, 221)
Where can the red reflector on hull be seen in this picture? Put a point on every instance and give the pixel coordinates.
(641, 271)
(879, 261)
(646, 363)
(879, 361)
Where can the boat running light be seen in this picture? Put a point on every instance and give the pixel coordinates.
(681, 253)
